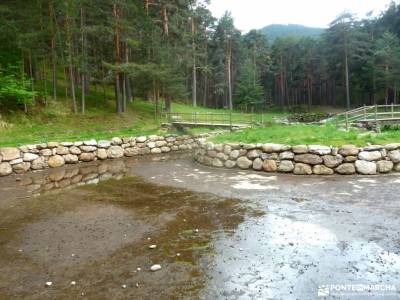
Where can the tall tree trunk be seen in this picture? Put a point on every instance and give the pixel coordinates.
(83, 83)
(229, 62)
(70, 54)
(194, 71)
(117, 60)
(53, 50)
(346, 63)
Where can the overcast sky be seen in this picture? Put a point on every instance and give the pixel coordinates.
(255, 14)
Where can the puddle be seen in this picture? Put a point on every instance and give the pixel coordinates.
(98, 235)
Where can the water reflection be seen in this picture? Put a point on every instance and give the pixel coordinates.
(93, 225)
(51, 180)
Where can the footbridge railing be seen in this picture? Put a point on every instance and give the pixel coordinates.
(374, 114)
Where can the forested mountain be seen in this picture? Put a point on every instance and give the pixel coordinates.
(275, 31)
(164, 50)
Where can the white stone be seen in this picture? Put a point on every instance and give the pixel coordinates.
(90, 143)
(320, 150)
(141, 139)
(103, 144)
(30, 156)
(155, 268)
(370, 155)
(366, 167)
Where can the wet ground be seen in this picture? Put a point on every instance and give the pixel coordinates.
(220, 234)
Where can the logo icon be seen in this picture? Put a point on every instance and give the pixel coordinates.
(323, 290)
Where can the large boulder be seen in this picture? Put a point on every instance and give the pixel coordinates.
(310, 159)
(258, 164)
(270, 165)
(30, 157)
(230, 164)
(88, 148)
(269, 148)
(320, 150)
(75, 150)
(300, 149)
(61, 150)
(346, 169)
(253, 154)
(370, 155)
(71, 159)
(87, 156)
(90, 143)
(5, 169)
(349, 150)
(391, 147)
(302, 169)
(286, 166)
(115, 152)
(366, 167)
(103, 144)
(56, 161)
(21, 167)
(332, 161)
(217, 163)
(322, 170)
(286, 155)
(244, 163)
(234, 154)
(132, 151)
(394, 156)
(101, 154)
(10, 153)
(384, 166)
(141, 139)
(39, 163)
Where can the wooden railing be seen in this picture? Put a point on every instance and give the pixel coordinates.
(212, 119)
(376, 114)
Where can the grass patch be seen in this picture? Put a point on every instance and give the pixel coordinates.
(308, 134)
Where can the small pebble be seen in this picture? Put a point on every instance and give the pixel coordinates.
(155, 268)
(149, 238)
(73, 282)
(139, 269)
(197, 230)
(72, 254)
(153, 246)
(49, 283)
(20, 250)
(178, 254)
(124, 286)
(137, 285)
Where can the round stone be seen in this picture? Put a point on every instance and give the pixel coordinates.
(56, 161)
(244, 163)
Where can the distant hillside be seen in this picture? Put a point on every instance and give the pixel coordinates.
(279, 30)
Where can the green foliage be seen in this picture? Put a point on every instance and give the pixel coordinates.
(14, 90)
(248, 89)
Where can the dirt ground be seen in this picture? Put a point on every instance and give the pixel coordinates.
(219, 234)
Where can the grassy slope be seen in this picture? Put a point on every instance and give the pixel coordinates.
(308, 134)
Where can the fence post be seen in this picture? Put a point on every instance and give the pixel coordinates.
(392, 110)
(230, 120)
(376, 117)
(347, 120)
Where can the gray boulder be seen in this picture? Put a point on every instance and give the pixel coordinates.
(366, 167)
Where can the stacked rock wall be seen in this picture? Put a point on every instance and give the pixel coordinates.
(302, 159)
(53, 154)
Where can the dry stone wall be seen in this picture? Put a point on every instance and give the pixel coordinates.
(302, 159)
(53, 154)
